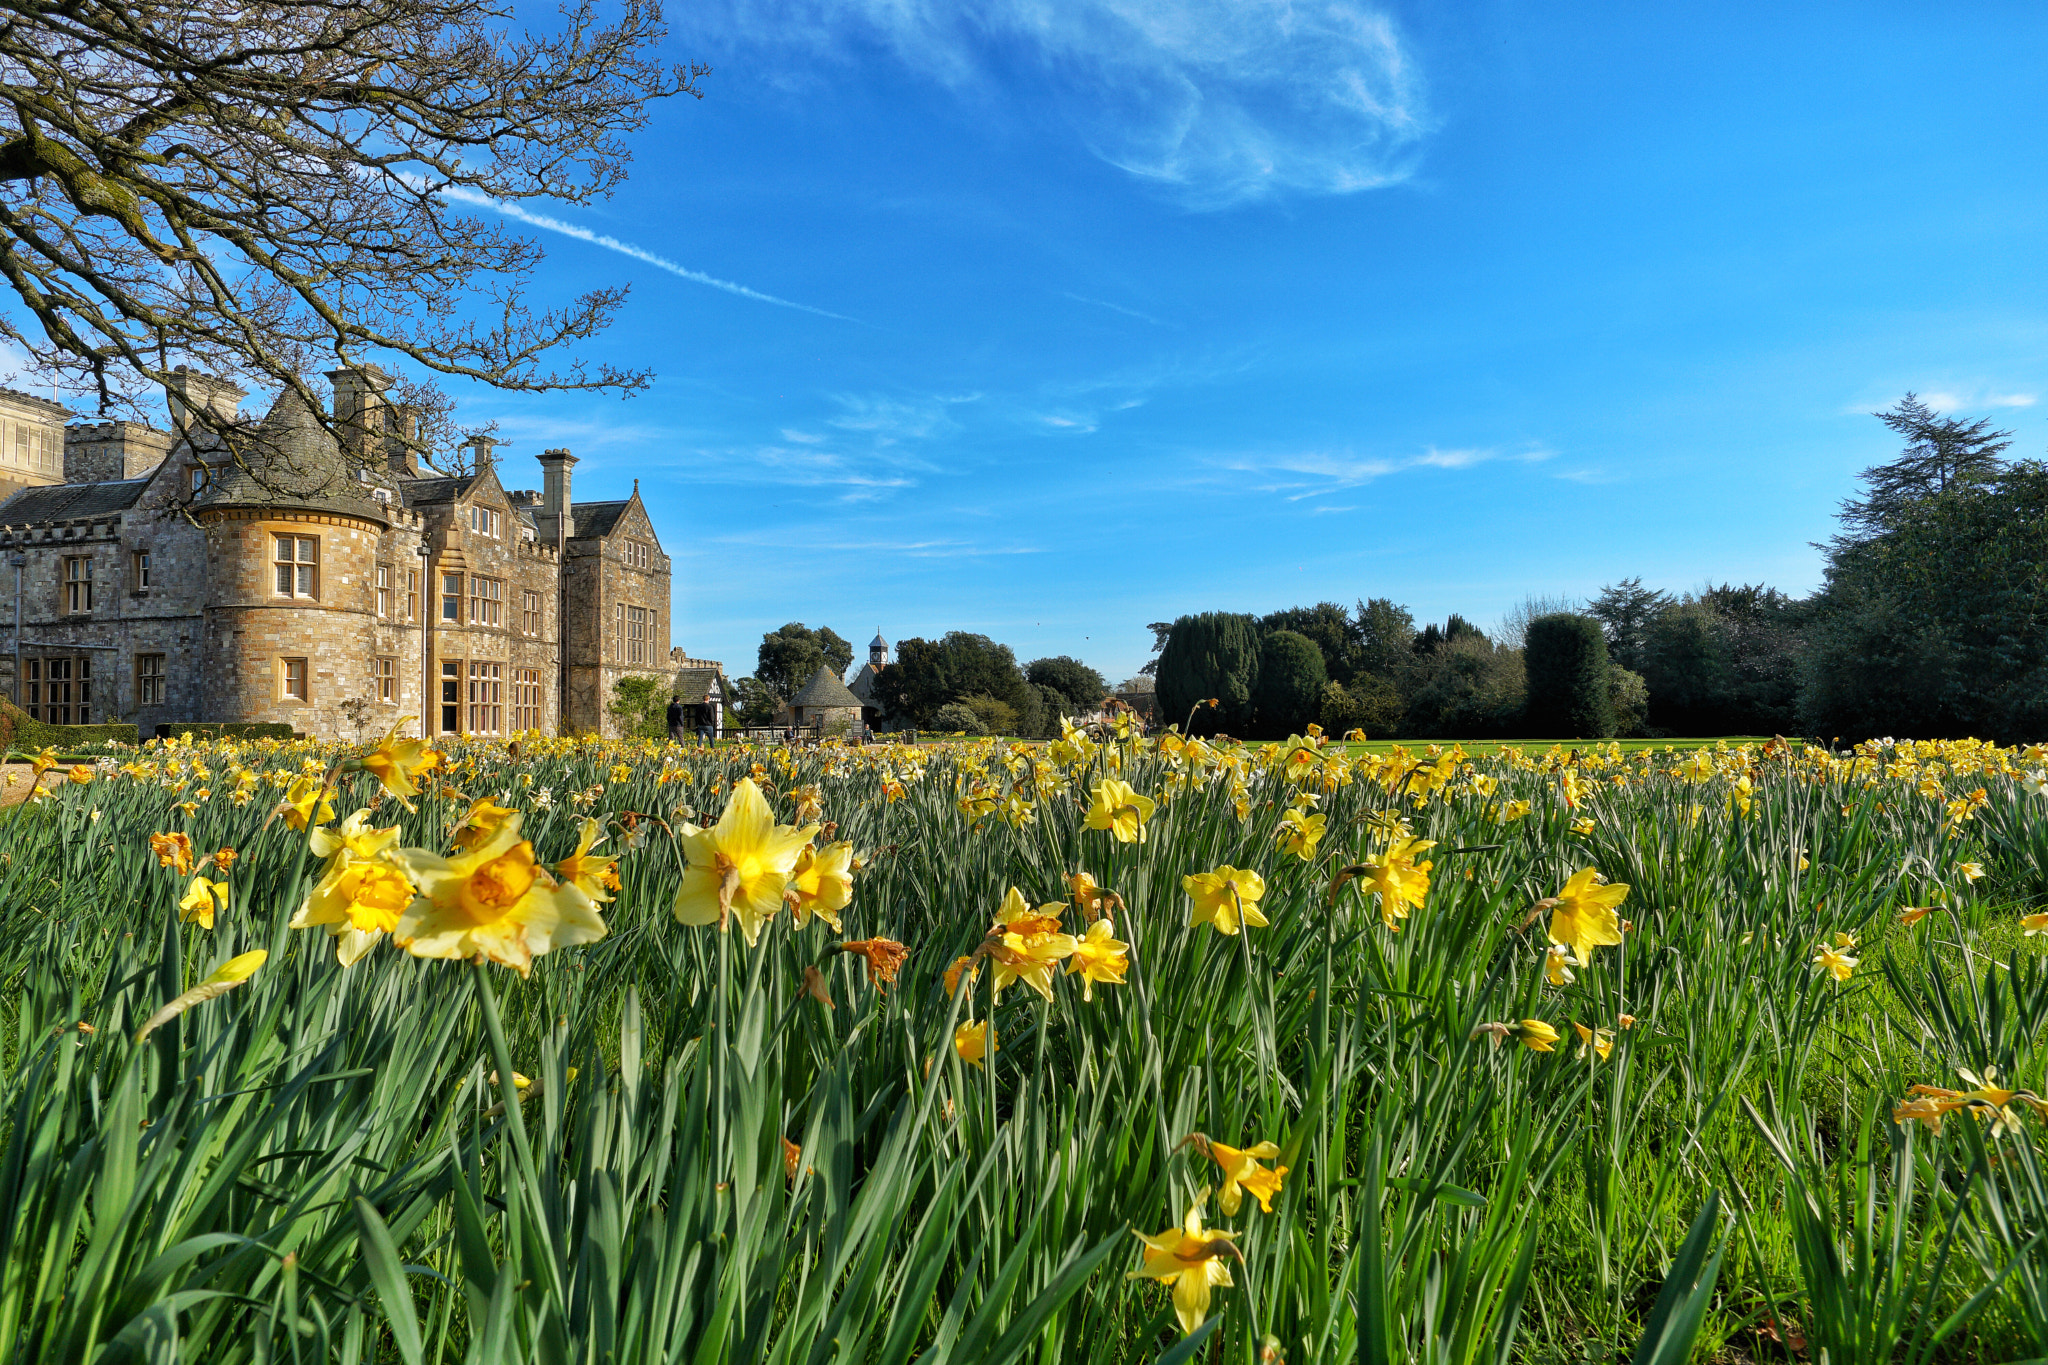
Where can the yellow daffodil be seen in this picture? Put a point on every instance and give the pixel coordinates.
(1029, 958)
(2035, 923)
(1299, 834)
(1835, 961)
(961, 966)
(1972, 872)
(493, 901)
(201, 899)
(300, 799)
(1116, 807)
(740, 866)
(173, 850)
(596, 877)
(1400, 882)
(481, 822)
(1098, 957)
(42, 763)
(1225, 899)
(821, 884)
(1558, 963)
(1191, 1260)
(974, 1042)
(1913, 914)
(1600, 1040)
(361, 893)
(396, 762)
(225, 978)
(1582, 915)
(1538, 1036)
(1242, 1171)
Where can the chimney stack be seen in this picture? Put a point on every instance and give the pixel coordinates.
(555, 466)
(401, 454)
(200, 400)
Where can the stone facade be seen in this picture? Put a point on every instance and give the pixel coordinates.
(190, 590)
(31, 442)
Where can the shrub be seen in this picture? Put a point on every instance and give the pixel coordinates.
(1465, 688)
(1565, 657)
(1291, 683)
(213, 729)
(18, 732)
(1366, 703)
(1630, 696)
(956, 716)
(1213, 655)
(996, 717)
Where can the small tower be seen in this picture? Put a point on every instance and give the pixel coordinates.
(878, 651)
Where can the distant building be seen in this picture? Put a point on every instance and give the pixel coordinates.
(164, 582)
(31, 442)
(873, 712)
(700, 686)
(824, 704)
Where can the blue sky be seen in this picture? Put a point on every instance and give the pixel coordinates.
(1111, 311)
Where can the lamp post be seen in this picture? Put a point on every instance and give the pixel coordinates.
(426, 600)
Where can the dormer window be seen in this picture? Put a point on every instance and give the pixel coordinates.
(486, 521)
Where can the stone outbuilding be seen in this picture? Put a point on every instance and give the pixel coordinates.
(825, 705)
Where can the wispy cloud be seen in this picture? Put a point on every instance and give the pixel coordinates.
(1319, 511)
(1314, 474)
(583, 234)
(1219, 101)
(1112, 307)
(910, 549)
(1952, 398)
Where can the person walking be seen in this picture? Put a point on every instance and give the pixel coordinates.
(678, 725)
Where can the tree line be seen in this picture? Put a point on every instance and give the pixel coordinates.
(1932, 621)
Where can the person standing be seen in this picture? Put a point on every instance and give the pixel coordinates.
(678, 725)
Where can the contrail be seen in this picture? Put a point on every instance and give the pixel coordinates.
(583, 234)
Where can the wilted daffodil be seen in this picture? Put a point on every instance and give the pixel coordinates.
(1115, 806)
(173, 850)
(1225, 898)
(493, 901)
(396, 762)
(1401, 882)
(229, 975)
(1241, 1172)
(821, 884)
(740, 866)
(201, 899)
(1098, 956)
(361, 893)
(1190, 1260)
(1582, 915)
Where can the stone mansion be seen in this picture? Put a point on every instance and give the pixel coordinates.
(157, 581)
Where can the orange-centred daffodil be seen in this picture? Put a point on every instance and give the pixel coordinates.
(596, 877)
(396, 762)
(740, 866)
(1189, 1259)
(1115, 806)
(1401, 882)
(493, 901)
(1582, 915)
(1098, 956)
(821, 884)
(481, 823)
(361, 893)
(1242, 1171)
(1027, 944)
(1225, 899)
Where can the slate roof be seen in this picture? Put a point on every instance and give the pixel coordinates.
(68, 500)
(596, 518)
(825, 689)
(420, 491)
(302, 466)
(692, 686)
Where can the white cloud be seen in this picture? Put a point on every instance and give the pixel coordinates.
(1953, 399)
(609, 243)
(1312, 474)
(1221, 101)
(1319, 511)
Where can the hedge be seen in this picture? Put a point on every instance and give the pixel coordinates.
(215, 729)
(17, 731)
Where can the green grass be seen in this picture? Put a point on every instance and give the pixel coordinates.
(318, 1165)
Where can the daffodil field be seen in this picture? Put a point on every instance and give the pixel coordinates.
(1105, 1049)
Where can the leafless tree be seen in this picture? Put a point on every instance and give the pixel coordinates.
(263, 189)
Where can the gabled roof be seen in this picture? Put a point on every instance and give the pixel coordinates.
(693, 686)
(824, 689)
(418, 492)
(597, 518)
(863, 684)
(66, 501)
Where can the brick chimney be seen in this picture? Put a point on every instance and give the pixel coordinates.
(554, 500)
(96, 452)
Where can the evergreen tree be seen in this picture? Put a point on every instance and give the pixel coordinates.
(1330, 627)
(1626, 611)
(1941, 453)
(1386, 637)
(1080, 688)
(1569, 694)
(1213, 655)
(1289, 693)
